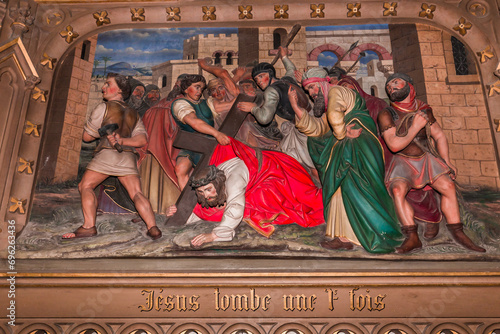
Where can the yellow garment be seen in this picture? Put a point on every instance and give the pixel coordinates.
(337, 224)
(157, 186)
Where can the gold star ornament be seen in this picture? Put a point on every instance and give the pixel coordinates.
(317, 11)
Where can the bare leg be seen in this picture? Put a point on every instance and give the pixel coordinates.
(449, 206)
(449, 202)
(86, 187)
(183, 168)
(399, 190)
(133, 186)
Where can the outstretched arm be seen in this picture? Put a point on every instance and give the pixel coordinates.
(220, 73)
(202, 127)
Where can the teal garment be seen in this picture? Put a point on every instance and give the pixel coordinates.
(204, 113)
(357, 167)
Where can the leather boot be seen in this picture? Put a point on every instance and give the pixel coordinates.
(457, 232)
(431, 230)
(411, 242)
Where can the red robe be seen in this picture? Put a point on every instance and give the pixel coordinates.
(161, 129)
(279, 192)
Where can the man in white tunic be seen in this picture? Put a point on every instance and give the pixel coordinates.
(108, 161)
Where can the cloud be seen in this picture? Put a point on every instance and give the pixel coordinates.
(370, 55)
(327, 59)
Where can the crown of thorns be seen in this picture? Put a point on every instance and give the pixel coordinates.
(212, 174)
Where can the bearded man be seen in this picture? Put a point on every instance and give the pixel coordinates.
(408, 127)
(137, 89)
(150, 99)
(262, 188)
(343, 144)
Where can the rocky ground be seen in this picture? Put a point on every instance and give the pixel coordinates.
(57, 210)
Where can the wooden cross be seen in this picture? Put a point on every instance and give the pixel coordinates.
(205, 145)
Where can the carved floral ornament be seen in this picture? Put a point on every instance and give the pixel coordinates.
(138, 14)
(69, 35)
(317, 11)
(101, 18)
(353, 9)
(486, 54)
(48, 61)
(494, 89)
(32, 129)
(462, 26)
(173, 14)
(245, 12)
(427, 11)
(25, 166)
(478, 9)
(281, 12)
(390, 9)
(39, 94)
(209, 13)
(18, 205)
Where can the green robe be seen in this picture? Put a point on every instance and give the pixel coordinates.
(357, 167)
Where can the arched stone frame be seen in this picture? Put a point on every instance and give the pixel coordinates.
(278, 33)
(50, 42)
(217, 55)
(314, 54)
(230, 55)
(382, 52)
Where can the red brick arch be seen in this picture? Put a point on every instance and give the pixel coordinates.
(338, 50)
(382, 52)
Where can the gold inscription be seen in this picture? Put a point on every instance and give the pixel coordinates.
(168, 303)
(298, 302)
(359, 301)
(241, 302)
(332, 296)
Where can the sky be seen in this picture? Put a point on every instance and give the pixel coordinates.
(149, 47)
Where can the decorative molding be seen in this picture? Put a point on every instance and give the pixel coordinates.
(173, 14)
(486, 54)
(209, 13)
(317, 11)
(353, 9)
(138, 14)
(21, 14)
(427, 11)
(462, 26)
(101, 18)
(32, 129)
(497, 123)
(69, 35)
(25, 166)
(39, 94)
(478, 9)
(245, 12)
(281, 11)
(18, 205)
(48, 61)
(390, 9)
(52, 18)
(494, 89)
(31, 81)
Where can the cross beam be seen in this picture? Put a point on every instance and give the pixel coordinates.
(205, 145)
